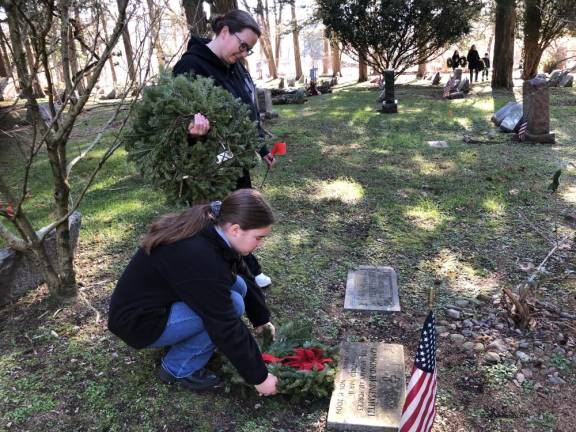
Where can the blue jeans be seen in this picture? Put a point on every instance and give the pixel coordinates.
(191, 347)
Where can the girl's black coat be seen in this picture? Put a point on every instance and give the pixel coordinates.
(199, 271)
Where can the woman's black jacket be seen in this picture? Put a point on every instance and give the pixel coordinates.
(199, 271)
(474, 61)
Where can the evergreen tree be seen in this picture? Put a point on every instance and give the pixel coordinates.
(395, 34)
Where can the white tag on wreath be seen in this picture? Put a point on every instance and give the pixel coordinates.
(224, 156)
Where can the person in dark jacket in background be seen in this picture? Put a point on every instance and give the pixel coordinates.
(220, 59)
(187, 287)
(455, 60)
(486, 61)
(474, 62)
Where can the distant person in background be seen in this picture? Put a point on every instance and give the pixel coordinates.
(486, 60)
(474, 62)
(455, 60)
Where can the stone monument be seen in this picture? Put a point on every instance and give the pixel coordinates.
(536, 97)
(264, 103)
(513, 118)
(372, 289)
(389, 104)
(369, 388)
(457, 74)
(501, 114)
(21, 272)
(436, 79)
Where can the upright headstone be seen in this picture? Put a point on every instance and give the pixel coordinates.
(264, 100)
(457, 74)
(536, 96)
(389, 104)
(555, 77)
(464, 85)
(372, 289)
(369, 388)
(436, 79)
(313, 74)
(567, 81)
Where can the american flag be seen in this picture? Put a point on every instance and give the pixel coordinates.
(448, 87)
(522, 130)
(420, 406)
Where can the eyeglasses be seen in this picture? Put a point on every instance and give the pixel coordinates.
(244, 47)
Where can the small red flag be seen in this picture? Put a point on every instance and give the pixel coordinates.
(279, 148)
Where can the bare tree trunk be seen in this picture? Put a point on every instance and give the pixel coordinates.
(19, 54)
(278, 7)
(362, 68)
(336, 66)
(421, 70)
(195, 17)
(38, 92)
(296, 40)
(262, 16)
(3, 68)
(74, 61)
(154, 13)
(223, 6)
(504, 44)
(4, 52)
(128, 51)
(489, 47)
(110, 57)
(325, 55)
(532, 52)
(78, 33)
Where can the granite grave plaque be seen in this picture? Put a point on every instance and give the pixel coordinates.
(369, 389)
(372, 289)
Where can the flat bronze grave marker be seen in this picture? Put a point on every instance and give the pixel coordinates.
(369, 389)
(373, 289)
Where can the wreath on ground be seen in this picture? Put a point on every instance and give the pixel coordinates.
(190, 170)
(305, 368)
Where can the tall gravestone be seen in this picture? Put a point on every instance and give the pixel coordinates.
(369, 388)
(536, 98)
(389, 104)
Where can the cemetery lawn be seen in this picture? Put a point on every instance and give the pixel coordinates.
(355, 188)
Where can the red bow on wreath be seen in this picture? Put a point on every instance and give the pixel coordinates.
(304, 359)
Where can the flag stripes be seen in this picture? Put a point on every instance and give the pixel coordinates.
(523, 130)
(420, 406)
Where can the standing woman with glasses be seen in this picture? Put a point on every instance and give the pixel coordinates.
(236, 34)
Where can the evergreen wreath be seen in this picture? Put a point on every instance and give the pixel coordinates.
(186, 170)
(305, 368)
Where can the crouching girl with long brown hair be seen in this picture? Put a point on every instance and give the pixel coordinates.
(187, 287)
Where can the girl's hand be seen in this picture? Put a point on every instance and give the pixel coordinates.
(266, 327)
(199, 126)
(270, 160)
(268, 387)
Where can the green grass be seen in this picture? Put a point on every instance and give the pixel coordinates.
(356, 187)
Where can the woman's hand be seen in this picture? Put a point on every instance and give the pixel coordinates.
(266, 327)
(199, 126)
(270, 160)
(268, 387)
